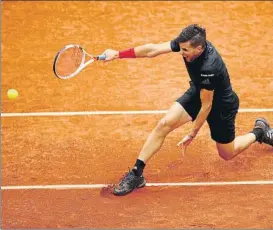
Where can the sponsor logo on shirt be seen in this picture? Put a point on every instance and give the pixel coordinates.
(207, 75)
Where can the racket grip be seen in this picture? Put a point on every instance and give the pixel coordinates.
(101, 57)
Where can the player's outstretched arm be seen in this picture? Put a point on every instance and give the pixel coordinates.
(143, 51)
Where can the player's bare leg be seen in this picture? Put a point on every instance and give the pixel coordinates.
(175, 117)
(261, 132)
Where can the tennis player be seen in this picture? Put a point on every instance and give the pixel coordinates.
(210, 98)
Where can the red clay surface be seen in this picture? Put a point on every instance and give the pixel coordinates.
(210, 207)
(98, 149)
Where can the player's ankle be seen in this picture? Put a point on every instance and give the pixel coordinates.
(139, 167)
(258, 132)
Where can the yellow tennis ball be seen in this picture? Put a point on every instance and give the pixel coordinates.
(12, 93)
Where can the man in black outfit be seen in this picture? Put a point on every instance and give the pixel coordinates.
(210, 97)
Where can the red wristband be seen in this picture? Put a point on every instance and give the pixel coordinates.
(129, 53)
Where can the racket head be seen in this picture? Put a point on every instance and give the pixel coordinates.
(69, 61)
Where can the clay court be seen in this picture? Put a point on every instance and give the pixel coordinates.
(64, 160)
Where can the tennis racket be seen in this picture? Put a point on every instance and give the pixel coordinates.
(71, 59)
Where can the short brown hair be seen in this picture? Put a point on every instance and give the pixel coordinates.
(193, 33)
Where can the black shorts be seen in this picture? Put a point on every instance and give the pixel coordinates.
(221, 119)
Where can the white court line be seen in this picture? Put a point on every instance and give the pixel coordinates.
(179, 184)
(85, 113)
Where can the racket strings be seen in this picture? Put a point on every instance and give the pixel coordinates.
(77, 57)
(69, 61)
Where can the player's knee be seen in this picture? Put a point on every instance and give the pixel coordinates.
(225, 155)
(165, 125)
(226, 151)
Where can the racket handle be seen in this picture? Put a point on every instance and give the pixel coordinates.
(101, 57)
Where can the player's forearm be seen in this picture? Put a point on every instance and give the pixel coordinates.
(200, 119)
(147, 50)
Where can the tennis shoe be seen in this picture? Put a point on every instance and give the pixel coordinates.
(128, 183)
(267, 136)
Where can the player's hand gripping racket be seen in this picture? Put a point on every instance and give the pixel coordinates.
(71, 59)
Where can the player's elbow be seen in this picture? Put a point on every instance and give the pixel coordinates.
(152, 54)
(151, 50)
(207, 106)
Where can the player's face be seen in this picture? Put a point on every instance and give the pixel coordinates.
(189, 52)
